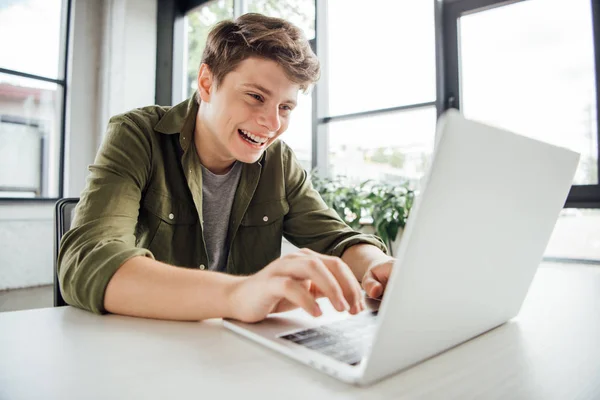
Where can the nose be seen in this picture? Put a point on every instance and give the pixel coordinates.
(270, 119)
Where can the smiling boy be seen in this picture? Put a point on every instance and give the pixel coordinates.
(185, 207)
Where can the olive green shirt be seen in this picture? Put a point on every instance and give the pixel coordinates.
(144, 198)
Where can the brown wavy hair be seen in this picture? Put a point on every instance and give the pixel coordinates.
(254, 35)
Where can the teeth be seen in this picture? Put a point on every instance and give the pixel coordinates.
(258, 139)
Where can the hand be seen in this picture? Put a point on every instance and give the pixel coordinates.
(296, 280)
(376, 278)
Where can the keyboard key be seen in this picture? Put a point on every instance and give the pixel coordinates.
(345, 340)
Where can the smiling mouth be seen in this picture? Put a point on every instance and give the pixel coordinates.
(252, 139)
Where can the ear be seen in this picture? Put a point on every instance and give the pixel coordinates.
(205, 81)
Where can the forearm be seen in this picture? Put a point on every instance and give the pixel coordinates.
(143, 287)
(361, 257)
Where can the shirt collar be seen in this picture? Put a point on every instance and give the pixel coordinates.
(180, 118)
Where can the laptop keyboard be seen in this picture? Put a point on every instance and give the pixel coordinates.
(346, 341)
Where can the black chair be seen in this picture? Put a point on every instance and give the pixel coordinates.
(63, 216)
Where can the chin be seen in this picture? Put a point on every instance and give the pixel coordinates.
(249, 158)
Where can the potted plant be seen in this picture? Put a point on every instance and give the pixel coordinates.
(347, 200)
(380, 208)
(390, 208)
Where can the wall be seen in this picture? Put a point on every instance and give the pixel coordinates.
(112, 69)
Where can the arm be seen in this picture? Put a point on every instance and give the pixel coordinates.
(143, 287)
(371, 267)
(146, 288)
(101, 269)
(311, 223)
(102, 236)
(362, 257)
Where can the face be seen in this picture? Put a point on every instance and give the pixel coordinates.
(246, 113)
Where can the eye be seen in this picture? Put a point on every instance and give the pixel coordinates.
(287, 109)
(256, 96)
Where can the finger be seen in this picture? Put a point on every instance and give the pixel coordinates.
(373, 288)
(348, 282)
(315, 291)
(381, 274)
(313, 269)
(346, 279)
(297, 293)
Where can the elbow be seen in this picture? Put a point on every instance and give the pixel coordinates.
(71, 267)
(85, 267)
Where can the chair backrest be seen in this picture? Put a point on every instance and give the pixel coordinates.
(64, 211)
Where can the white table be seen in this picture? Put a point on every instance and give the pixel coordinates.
(550, 351)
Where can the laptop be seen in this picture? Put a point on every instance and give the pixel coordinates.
(475, 237)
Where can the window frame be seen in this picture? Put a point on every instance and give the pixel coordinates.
(170, 52)
(321, 101)
(66, 9)
(171, 14)
(580, 196)
(170, 71)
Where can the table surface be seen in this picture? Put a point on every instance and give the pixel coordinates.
(551, 350)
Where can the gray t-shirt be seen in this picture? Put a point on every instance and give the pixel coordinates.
(218, 192)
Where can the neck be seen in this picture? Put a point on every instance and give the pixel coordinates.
(208, 149)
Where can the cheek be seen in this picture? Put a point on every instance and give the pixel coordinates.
(216, 115)
(226, 119)
(241, 112)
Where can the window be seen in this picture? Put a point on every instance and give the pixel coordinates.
(380, 88)
(530, 67)
(576, 236)
(198, 24)
(394, 147)
(299, 133)
(550, 64)
(380, 54)
(299, 12)
(32, 97)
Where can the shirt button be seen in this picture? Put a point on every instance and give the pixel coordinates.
(202, 267)
(171, 216)
(265, 218)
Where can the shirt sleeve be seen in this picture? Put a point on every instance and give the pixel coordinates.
(310, 222)
(102, 236)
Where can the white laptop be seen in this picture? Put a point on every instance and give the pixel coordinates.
(473, 242)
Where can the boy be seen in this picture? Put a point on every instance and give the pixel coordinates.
(206, 185)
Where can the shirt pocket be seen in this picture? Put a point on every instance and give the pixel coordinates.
(258, 241)
(265, 213)
(175, 228)
(168, 209)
